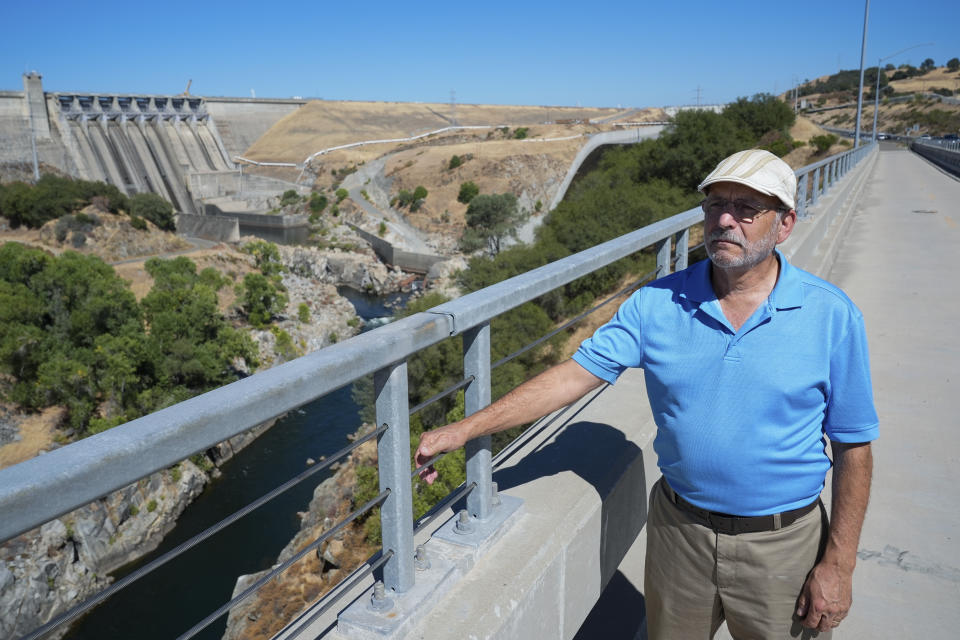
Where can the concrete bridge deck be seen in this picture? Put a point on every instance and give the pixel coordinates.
(895, 263)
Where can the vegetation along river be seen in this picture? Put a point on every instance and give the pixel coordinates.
(179, 594)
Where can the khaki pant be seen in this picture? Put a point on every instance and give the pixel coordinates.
(695, 578)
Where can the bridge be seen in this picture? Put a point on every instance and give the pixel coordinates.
(550, 544)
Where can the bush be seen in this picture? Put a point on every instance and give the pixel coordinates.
(318, 202)
(289, 197)
(823, 142)
(455, 161)
(520, 133)
(303, 312)
(467, 192)
(382, 229)
(342, 194)
(138, 223)
(152, 207)
(261, 299)
(419, 193)
(152, 506)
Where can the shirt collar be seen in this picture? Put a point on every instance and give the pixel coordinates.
(786, 294)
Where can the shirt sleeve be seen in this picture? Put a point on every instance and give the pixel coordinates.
(850, 414)
(615, 346)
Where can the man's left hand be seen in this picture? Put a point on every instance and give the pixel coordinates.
(826, 597)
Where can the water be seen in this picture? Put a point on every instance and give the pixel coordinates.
(179, 594)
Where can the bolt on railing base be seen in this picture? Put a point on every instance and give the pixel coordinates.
(484, 532)
(449, 556)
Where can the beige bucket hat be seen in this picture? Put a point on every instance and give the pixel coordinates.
(760, 170)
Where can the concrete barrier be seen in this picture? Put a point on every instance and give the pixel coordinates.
(218, 228)
(405, 260)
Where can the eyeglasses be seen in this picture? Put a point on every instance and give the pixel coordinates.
(742, 210)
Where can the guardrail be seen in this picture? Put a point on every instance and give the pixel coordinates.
(31, 495)
(944, 153)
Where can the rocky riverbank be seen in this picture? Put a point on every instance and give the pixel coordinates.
(279, 601)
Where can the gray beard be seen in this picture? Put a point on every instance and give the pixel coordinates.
(753, 255)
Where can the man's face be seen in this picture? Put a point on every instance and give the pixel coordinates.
(736, 244)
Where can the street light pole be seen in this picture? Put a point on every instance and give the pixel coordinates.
(863, 53)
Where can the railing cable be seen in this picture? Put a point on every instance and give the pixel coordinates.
(566, 325)
(437, 510)
(442, 394)
(249, 591)
(194, 541)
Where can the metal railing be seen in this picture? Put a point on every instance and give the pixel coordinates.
(945, 153)
(31, 495)
(815, 179)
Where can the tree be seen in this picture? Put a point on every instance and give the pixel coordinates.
(467, 191)
(760, 114)
(152, 207)
(490, 219)
(953, 64)
(927, 65)
(261, 299)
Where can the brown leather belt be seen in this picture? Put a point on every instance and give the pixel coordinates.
(733, 525)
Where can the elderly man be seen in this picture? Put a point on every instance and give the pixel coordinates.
(751, 367)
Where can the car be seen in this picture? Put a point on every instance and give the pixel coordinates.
(951, 137)
(882, 136)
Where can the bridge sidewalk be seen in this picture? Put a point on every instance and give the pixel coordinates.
(895, 265)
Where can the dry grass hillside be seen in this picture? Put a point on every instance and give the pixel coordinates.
(522, 150)
(322, 124)
(931, 115)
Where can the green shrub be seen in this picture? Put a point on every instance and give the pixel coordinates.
(153, 208)
(289, 197)
(333, 337)
(354, 322)
(467, 192)
(382, 229)
(538, 206)
(134, 510)
(303, 313)
(138, 223)
(341, 194)
(455, 161)
(823, 142)
(419, 193)
(152, 506)
(318, 202)
(520, 133)
(261, 299)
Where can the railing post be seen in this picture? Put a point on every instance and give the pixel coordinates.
(663, 257)
(393, 451)
(802, 196)
(816, 185)
(683, 250)
(476, 363)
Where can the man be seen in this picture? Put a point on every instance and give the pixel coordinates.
(751, 365)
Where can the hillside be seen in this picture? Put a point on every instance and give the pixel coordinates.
(904, 102)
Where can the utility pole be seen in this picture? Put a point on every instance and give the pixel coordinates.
(453, 107)
(863, 53)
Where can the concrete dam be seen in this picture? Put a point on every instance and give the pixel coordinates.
(178, 146)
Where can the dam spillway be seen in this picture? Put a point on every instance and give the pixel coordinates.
(178, 146)
(141, 143)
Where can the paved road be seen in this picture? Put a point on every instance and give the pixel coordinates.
(896, 266)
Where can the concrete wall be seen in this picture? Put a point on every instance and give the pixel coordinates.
(241, 121)
(405, 260)
(625, 136)
(215, 228)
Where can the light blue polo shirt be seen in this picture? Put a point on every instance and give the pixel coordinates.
(743, 416)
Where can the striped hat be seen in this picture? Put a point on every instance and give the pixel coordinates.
(757, 169)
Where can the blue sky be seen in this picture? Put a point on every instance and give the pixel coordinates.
(547, 53)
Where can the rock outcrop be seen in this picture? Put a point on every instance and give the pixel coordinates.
(48, 570)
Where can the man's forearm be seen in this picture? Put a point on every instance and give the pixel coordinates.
(552, 389)
(828, 592)
(852, 473)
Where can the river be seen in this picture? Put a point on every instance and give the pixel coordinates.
(179, 594)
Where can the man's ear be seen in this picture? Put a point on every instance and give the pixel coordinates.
(787, 222)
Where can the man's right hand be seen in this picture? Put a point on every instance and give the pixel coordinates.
(448, 438)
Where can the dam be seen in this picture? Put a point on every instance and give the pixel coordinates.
(181, 147)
